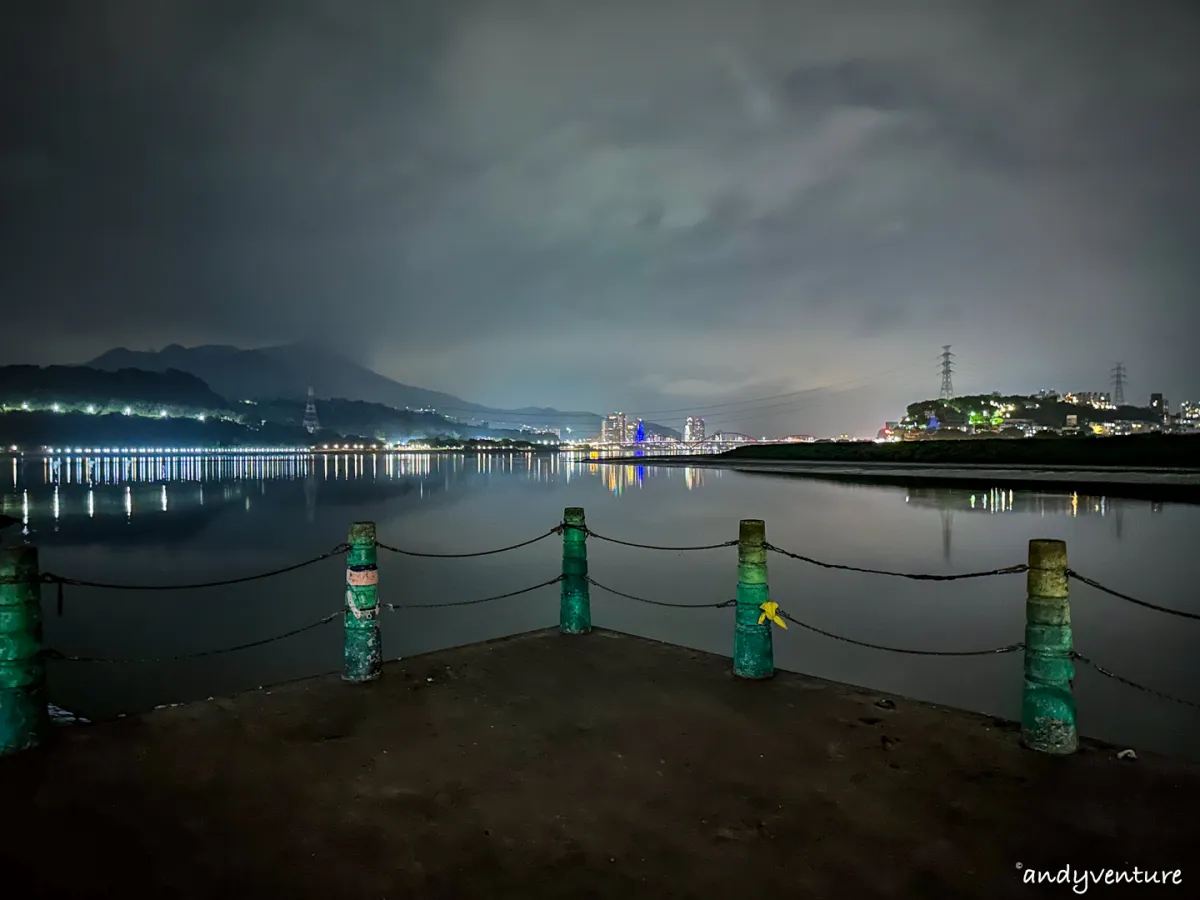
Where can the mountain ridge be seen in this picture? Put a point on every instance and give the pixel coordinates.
(286, 371)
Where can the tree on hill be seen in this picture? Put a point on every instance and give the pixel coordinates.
(992, 410)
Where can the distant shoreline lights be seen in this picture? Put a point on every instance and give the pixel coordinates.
(48, 451)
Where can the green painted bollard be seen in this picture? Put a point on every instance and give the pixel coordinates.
(363, 654)
(1048, 699)
(753, 654)
(23, 713)
(575, 608)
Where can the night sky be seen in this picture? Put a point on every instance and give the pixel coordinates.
(633, 204)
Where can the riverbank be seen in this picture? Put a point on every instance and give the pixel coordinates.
(595, 766)
(1176, 485)
(1153, 451)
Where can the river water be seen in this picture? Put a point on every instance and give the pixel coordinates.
(187, 520)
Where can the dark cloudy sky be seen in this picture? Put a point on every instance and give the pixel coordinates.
(643, 204)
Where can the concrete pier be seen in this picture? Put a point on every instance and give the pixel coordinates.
(577, 767)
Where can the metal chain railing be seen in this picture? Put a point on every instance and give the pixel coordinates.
(915, 576)
(557, 529)
(397, 606)
(1071, 573)
(1007, 648)
(721, 605)
(51, 578)
(56, 655)
(600, 537)
(60, 581)
(1079, 657)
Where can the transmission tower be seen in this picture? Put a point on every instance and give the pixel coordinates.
(947, 373)
(1118, 378)
(310, 414)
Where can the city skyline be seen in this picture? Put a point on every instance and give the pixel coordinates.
(615, 428)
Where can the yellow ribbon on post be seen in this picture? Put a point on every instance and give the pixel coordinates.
(770, 611)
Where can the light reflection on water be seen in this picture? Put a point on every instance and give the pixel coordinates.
(181, 519)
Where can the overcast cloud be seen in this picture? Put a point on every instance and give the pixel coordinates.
(637, 205)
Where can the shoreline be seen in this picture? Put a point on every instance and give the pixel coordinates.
(1133, 482)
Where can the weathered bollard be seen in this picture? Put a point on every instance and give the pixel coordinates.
(363, 654)
(1048, 699)
(575, 608)
(753, 655)
(23, 712)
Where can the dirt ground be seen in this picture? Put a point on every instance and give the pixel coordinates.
(576, 767)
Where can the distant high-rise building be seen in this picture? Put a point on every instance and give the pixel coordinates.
(1159, 404)
(693, 429)
(614, 428)
(1189, 411)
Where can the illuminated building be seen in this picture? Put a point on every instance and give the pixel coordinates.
(1189, 411)
(613, 430)
(693, 429)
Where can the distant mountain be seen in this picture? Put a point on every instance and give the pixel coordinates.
(280, 372)
(287, 371)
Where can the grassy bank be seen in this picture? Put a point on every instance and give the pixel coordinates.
(1166, 451)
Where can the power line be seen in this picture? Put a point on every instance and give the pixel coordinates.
(790, 407)
(681, 412)
(801, 399)
(694, 409)
(743, 418)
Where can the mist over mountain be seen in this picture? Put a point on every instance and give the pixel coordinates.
(287, 371)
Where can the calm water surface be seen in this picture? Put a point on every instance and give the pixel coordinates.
(183, 520)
